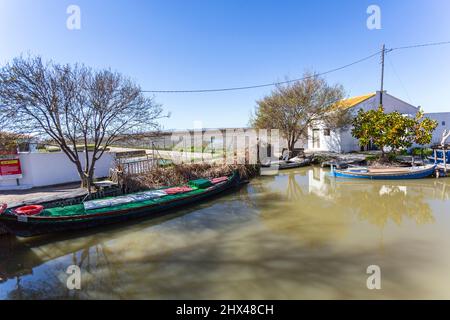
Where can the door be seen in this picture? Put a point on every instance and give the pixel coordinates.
(316, 138)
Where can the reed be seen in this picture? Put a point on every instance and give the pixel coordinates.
(179, 174)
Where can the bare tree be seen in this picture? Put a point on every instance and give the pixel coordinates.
(294, 107)
(5, 117)
(82, 110)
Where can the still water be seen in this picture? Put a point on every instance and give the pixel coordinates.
(298, 235)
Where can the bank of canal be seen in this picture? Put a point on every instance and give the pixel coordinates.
(300, 234)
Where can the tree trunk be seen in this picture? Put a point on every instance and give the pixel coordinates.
(383, 153)
(291, 146)
(85, 181)
(86, 177)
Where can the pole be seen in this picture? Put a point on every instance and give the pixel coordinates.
(444, 156)
(383, 52)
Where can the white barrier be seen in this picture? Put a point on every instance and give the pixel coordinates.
(46, 169)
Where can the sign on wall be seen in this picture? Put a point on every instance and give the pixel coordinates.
(8, 153)
(10, 169)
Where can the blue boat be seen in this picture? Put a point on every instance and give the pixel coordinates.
(385, 173)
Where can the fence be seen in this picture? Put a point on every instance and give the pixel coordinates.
(139, 166)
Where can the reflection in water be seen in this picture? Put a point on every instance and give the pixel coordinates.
(301, 234)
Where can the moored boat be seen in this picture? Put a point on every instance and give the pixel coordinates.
(385, 173)
(288, 164)
(114, 209)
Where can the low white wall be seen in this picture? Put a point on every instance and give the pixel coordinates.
(45, 169)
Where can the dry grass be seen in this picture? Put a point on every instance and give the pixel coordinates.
(182, 173)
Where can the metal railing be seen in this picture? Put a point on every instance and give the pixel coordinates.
(139, 166)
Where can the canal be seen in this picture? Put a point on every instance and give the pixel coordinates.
(298, 235)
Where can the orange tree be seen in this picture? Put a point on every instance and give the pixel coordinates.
(392, 130)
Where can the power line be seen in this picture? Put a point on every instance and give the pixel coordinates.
(400, 80)
(298, 79)
(267, 84)
(422, 45)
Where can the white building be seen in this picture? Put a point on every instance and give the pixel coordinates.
(443, 119)
(321, 138)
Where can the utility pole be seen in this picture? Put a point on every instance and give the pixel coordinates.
(383, 52)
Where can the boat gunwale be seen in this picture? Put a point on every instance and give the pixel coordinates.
(48, 219)
(400, 174)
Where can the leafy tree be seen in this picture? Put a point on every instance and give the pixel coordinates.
(76, 107)
(392, 130)
(294, 107)
(8, 142)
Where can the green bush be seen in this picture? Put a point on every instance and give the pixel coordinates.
(372, 158)
(426, 152)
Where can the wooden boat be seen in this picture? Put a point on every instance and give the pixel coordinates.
(385, 173)
(288, 164)
(291, 164)
(111, 210)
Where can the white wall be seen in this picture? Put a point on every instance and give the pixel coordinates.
(342, 140)
(327, 143)
(45, 169)
(391, 104)
(440, 118)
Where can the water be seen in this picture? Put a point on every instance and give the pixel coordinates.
(299, 235)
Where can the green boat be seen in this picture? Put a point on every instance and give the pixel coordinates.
(111, 210)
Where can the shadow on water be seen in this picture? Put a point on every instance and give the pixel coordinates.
(210, 270)
(20, 249)
(296, 235)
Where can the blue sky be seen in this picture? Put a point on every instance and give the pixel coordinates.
(195, 44)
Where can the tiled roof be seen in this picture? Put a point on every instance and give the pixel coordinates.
(351, 102)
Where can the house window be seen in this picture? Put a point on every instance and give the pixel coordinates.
(443, 123)
(326, 132)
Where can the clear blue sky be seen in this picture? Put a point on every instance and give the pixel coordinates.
(192, 44)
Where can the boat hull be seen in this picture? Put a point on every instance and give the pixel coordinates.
(46, 225)
(413, 174)
(284, 165)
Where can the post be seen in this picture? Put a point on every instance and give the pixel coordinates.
(153, 154)
(383, 52)
(444, 156)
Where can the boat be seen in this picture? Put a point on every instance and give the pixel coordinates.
(288, 164)
(398, 173)
(111, 210)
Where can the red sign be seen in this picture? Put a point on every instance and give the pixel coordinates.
(10, 167)
(8, 152)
